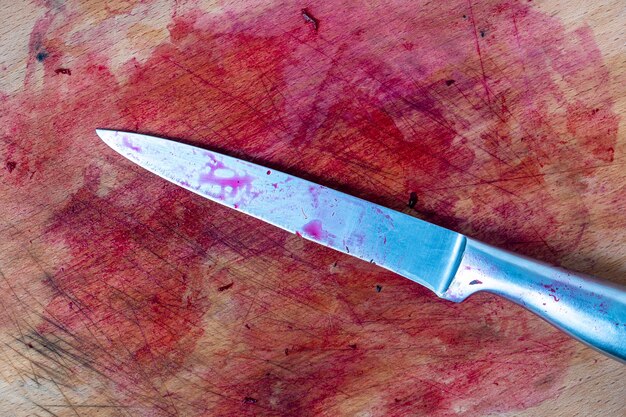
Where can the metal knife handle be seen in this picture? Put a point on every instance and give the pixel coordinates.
(588, 309)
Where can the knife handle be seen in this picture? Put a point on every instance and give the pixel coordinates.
(586, 308)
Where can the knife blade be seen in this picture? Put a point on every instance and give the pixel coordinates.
(450, 264)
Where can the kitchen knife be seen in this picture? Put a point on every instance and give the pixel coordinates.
(450, 264)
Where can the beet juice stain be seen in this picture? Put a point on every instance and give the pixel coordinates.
(134, 262)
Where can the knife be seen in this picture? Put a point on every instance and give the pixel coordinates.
(450, 264)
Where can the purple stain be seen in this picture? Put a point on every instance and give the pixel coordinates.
(385, 215)
(275, 185)
(555, 297)
(550, 287)
(476, 281)
(128, 144)
(315, 193)
(359, 238)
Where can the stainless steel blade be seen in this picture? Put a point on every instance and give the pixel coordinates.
(416, 249)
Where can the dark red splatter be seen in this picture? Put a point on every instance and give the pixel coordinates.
(65, 71)
(10, 165)
(308, 18)
(131, 263)
(226, 287)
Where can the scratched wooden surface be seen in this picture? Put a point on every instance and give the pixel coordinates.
(122, 295)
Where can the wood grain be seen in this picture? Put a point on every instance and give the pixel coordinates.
(121, 295)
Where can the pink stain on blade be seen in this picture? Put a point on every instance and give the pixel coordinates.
(236, 184)
(314, 229)
(229, 186)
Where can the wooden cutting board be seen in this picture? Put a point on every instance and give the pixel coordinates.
(123, 295)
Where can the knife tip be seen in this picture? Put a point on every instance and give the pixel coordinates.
(106, 134)
(102, 131)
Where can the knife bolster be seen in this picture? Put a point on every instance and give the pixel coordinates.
(590, 310)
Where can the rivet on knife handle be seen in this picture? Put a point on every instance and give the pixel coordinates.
(588, 309)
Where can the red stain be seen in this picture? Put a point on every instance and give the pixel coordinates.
(482, 128)
(134, 316)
